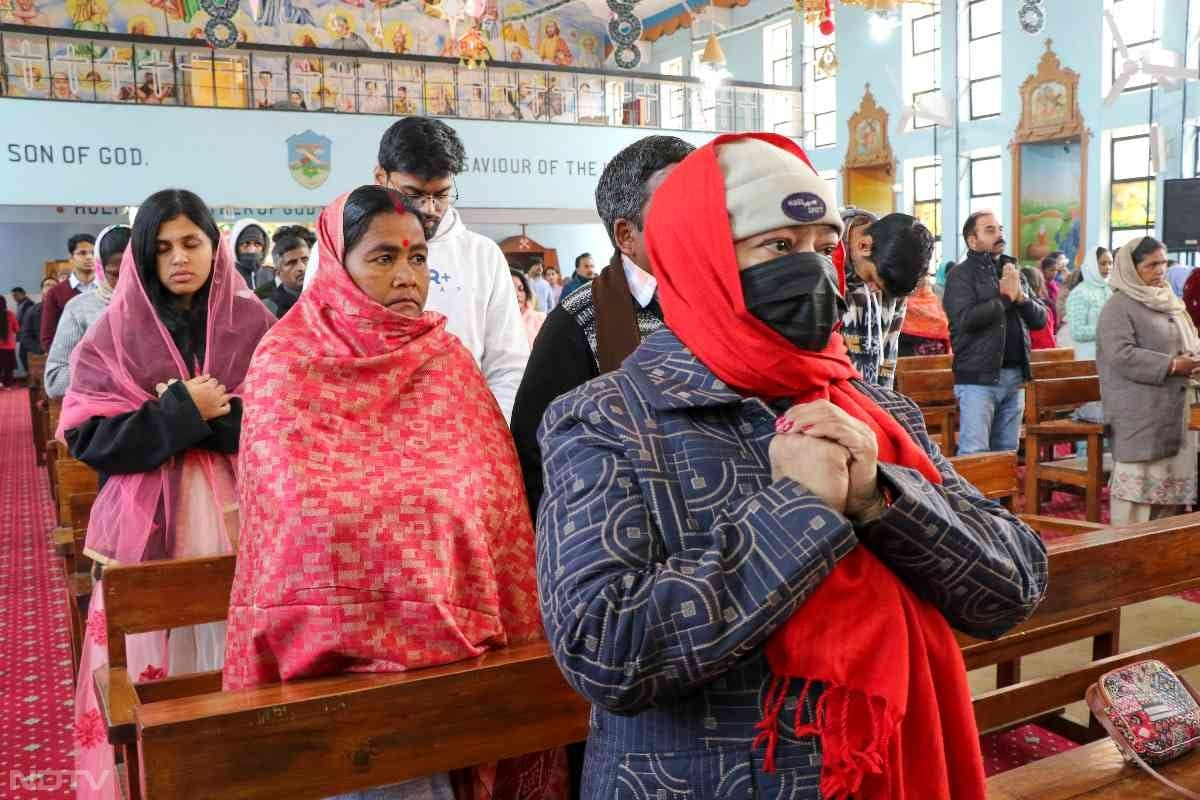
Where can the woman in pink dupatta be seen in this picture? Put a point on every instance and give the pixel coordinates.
(384, 523)
(153, 407)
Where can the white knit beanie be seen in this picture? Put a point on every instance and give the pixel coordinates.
(766, 187)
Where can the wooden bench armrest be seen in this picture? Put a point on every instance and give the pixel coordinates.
(1065, 427)
(79, 585)
(117, 699)
(1044, 524)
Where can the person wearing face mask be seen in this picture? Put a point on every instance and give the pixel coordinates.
(991, 311)
(290, 255)
(420, 157)
(249, 240)
(886, 259)
(82, 311)
(737, 531)
(81, 279)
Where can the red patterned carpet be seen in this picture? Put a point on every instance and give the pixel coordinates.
(35, 654)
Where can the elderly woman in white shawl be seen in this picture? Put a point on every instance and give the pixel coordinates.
(1148, 353)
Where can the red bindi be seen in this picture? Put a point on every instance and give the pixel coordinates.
(406, 242)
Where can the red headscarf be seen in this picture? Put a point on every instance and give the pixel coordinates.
(895, 719)
(383, 515)
(115, 369)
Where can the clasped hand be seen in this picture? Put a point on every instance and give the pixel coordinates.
(209, 395)
(831, 453)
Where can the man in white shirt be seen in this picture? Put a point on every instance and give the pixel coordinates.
(469, 280)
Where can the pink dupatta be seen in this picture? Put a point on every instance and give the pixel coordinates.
(115, 370)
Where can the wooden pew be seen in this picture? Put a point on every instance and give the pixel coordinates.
(1063, 369)
(76, 570)
(37, 405)
(922, 363)
(381, 728)
(995, 476)
(1052, 354)
(1046, 401)
(1102, 570)
(933, 391)
(72, 477)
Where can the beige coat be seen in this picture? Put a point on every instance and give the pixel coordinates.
(1145, 407)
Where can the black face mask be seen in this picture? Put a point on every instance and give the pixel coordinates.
(250, 262)
(797, 296)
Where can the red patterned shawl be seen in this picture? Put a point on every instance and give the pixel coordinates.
(384, 525)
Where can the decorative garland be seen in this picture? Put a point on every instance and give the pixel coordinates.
(220, 9)
(220, 33)
(1032, 17)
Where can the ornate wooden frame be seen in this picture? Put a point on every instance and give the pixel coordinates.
(1035, 126)
(869, 111)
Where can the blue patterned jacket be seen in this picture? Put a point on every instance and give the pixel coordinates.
(667, 556)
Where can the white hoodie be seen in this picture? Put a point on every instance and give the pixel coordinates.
(470, 284)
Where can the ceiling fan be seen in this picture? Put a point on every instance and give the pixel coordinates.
(1162, 64)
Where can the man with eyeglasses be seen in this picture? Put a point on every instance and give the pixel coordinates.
(469, 278)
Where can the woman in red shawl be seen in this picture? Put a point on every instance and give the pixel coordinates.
(153, 406)
(926, 330)
(749, 559)
(384, 523)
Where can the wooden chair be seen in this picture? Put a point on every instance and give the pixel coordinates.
(1104, 570)
(1052, 354)
(933, 391)
(923, 363)
(1045, 403)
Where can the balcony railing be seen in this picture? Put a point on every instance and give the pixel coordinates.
(67, 66)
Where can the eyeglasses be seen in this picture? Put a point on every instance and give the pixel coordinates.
(440, 201)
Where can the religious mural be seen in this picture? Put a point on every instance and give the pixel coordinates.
(524, 31)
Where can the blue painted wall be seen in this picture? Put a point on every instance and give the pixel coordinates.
(1077, 30)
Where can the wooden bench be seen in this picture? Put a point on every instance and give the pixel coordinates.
(318, 737)
(995, 476)
(76, 571)
(922, 363)
(1052, 354)
(1099, 571)
(1046, 401)
(933, 391)
(38, 405)
(1096, 771)
(1063, 369)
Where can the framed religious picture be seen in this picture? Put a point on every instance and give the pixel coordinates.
(1049, 158)
(868, 173)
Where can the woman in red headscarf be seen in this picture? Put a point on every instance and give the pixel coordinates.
(153, 405)
(384, 522)
(749, 559)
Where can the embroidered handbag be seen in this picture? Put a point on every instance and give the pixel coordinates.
(1151, 714)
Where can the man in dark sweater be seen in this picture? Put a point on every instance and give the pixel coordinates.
(600, 324)
(82, 247)
(991, 312)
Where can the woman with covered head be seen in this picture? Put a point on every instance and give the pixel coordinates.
(153, 405)
(750, 560)
(1086, 301)
(1148, 354)
(334, 506)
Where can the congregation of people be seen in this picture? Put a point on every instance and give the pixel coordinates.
(687, 469)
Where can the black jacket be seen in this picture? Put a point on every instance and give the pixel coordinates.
(30, 336)
(977, 313)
